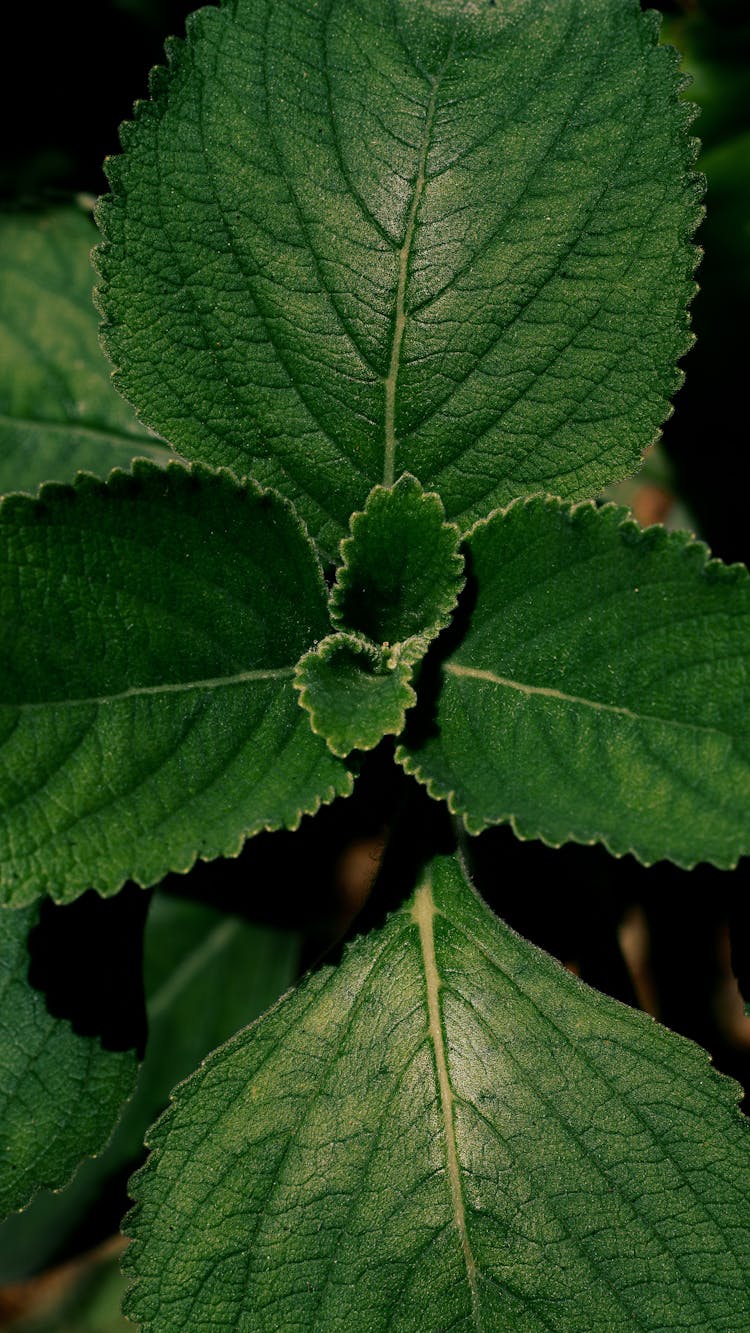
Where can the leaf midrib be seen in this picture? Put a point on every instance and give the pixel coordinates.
(173, 687)
(549, 692)
(423, 914)
(404, 255)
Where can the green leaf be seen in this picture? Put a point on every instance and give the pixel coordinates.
(357, 238)
(401, 570)
(58, 410)
(353, 694)
(446, 1131)
(601, 690)
(149, 630)
(60, 1094)
(205, 975)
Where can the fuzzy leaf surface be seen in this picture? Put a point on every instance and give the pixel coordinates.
(149, 632)
(357, 238)
(60, 1093)
(354, 697)
(448, 1130)
(401, 570)
(58, 410)
(601, 691)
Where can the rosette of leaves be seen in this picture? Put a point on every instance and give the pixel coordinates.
(406, 283)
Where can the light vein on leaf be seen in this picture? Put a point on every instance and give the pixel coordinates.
(548, 692)
(423, 914)
(108, 435)
(175, 687)
(399, 324)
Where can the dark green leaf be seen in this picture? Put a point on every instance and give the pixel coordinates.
(362, 237)
(60, 1094)
(149, 631)
(602, 690)
(205, 975)
(353, 693)
(446, 1131)
(58, 410)
(401, 571)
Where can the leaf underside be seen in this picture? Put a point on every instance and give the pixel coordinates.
(58, 410)
(60, 1093)
(149, 631)
(601, 691)
(446, 1131)
(359, 238)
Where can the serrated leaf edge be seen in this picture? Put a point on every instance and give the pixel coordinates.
(727, 1088)
(359, 643)
(148, 476)
(415, 646)
(622, 522)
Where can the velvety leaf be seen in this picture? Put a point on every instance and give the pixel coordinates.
(401, 571)
(353, 694)
(357, 238)
(149, 631)
(446, 1131)
(60, 1093)
(205, 975)
(601, 691)
(58, 410)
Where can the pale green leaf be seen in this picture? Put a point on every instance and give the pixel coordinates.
(447, 1131)
(58, 409)
(401, 571)
(362, 237)
(60, 1093)
(149, 630)
(601, 691)
(205, 974)
(353, 694)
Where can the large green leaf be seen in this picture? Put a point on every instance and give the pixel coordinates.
(601, 691)
(60, 1093)
(149, 629)
(361, 237)
(446, 1131)
(205, 974)
(58, 410)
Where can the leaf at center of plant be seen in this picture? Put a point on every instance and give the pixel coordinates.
(353, 694)
(401, 572)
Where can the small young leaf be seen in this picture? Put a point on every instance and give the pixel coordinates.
(149, 630)
(58, 410)
(60, 1093)
(353, 694)
(602, 690)
(347, 240)
(401, 571)
(446, 1131)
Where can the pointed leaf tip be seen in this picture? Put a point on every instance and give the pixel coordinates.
(447, 1130)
